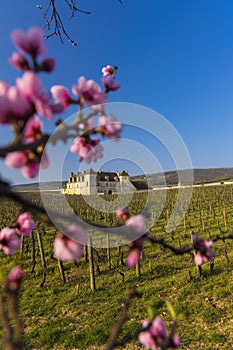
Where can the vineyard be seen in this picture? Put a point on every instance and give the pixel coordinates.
(74, 305)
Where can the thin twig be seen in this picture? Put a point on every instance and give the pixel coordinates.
(176, 251)
(52, 17)
(116, 329)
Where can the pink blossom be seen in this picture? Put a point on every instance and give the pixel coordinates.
(18, 61)
(4, 87)
(16, 159)
(158, 329)
(203, 251)
(9, 242)
(33, 129)
(146, 340)
(21, 101)
(29, 85)
(137, 223)
(175, 341)
(45, 108)
(109, 83)
(133, 256)
(30, 170)
(18, 105)
(47, 65)
(89, 92)
(135, 251)
(88, 149)
(14, 279)
(69, 249)
(4, 117)
(154, 335)
(25, 224)
(110, 127)
(13, 105)
(201, 258)
(61, 95)
(25, 161)
(122, 213)
(108, 70)
(30, 42)
(31, 88)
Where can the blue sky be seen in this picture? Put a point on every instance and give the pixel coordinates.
(174, 57)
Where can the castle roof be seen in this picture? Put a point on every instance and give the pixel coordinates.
(106, 176)
(101, 175)
(89, 171)
(124, 173)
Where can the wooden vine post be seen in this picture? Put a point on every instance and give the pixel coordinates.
(138, 269)
(22, 245)
(108, 251)
(91, 265)
(42, 256)
(33, 253)
(225, 217)
(61, 269)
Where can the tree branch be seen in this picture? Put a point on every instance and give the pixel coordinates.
(122, 320)
(53, 17)
(176, 251)
(23, 146)
(8, 332)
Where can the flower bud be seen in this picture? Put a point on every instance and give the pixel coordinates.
(14, 279)
(122, 213)
(47, 65)
(19, 61)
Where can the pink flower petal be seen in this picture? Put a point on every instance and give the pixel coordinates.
(15, 159)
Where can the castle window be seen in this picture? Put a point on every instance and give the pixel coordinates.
(87, 183)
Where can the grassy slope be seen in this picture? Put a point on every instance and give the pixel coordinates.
(70, 316)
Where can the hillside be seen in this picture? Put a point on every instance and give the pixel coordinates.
(50, 186)
(201, 176)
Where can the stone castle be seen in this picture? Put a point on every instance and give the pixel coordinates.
(90, 183)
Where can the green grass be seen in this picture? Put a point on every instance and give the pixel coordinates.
(71, 316)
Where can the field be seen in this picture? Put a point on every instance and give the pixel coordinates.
(60, 311)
